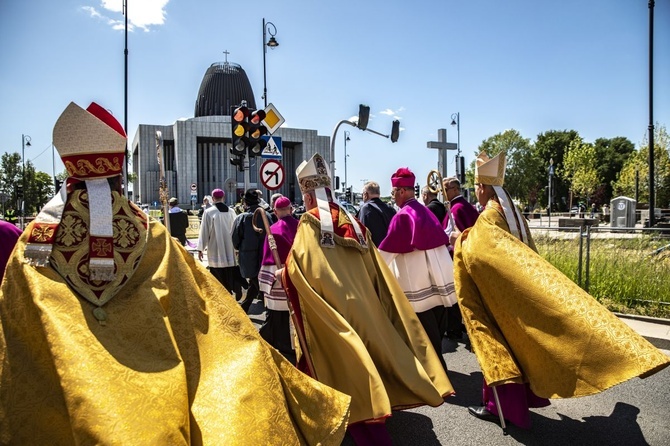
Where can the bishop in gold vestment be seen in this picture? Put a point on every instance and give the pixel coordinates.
(528, 322)
(361, 333)
(153, 351)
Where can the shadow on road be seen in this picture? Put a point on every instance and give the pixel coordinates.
(620, 428)
(407, 425)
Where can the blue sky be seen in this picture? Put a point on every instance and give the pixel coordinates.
(529, 65)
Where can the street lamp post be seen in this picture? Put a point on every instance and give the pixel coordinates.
(551, 176)
(456, 121)
(25, 141)
(268, 28)
(346, 138)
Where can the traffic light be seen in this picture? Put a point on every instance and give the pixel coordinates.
(460, 169)
(256, 129)
(239, 122)
(363, 116)
(395, 131)
(19, 191)
(349, 195)
(237, 159)
(57, 183)
(417, 191)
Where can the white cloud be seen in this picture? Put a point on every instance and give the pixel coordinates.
(394, 113)
(142, 15)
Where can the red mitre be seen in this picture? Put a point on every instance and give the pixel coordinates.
(403, 177)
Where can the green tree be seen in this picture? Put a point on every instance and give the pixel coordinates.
(553, 144)
(612, 154)
(10, 178)
(579, 168)
(520, 161)
(639, 162)
(37, 186)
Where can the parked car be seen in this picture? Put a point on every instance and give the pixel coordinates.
(349, 207)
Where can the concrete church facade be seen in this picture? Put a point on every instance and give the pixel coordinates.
(197, 150)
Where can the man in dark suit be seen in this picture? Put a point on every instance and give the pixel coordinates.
(178, 221)
(374, 213)
(432, 203)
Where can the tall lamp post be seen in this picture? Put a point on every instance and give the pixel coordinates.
(456, 121)
(25, 141)
(346, 138)
(271, 29)
(551, 177)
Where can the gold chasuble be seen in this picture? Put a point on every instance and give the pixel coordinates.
(528, 322)
(362, 335)
(168, 358)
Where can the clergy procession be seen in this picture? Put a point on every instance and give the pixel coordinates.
(112, 332)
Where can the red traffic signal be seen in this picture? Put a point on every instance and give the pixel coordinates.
(239, 121)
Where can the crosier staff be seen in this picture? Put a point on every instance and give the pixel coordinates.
(278, 264)
(162, 185)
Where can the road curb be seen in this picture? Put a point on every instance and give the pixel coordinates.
(661, 343)
(653, 320)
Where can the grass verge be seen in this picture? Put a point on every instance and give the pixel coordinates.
(630, 276)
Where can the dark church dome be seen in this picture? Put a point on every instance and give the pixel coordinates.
(224, 85)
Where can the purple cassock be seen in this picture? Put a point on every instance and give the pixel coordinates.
(284, 232)
(415, 248)
(414, 227)
(9, 234)
(464, 214)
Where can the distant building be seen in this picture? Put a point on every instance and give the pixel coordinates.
(197, 150)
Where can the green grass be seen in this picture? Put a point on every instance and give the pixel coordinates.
(624, 275)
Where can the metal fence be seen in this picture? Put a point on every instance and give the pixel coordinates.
(652, 245)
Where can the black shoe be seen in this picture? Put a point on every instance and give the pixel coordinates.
(481, 413)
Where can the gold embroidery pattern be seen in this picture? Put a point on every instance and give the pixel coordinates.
(314, 181)
(70, 256)
(127, 235)
(42, 233)
(101, 167)
(72, 231)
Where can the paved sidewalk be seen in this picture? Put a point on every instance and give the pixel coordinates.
(655, 330)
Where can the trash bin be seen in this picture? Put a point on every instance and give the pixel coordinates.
(622, 214)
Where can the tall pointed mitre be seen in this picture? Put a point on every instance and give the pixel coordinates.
(91, 142)
(92, 145)
(490, 170)
(314, 175)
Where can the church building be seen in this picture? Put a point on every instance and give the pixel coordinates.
(196, 151)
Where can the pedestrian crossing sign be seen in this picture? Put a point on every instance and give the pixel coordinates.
(273, 148)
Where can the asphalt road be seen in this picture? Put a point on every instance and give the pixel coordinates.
(634, 413)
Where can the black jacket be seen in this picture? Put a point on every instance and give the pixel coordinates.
(438, 209)
(376, 216)
(248, 242)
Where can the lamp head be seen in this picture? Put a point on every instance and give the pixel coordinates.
(272, 43)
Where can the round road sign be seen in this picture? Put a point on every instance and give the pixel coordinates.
(272, 174)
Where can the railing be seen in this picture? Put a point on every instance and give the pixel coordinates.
(654, 243)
